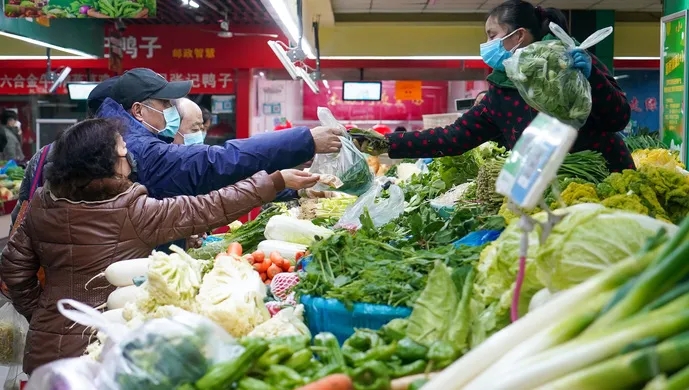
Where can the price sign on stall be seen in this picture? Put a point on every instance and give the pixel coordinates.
(408, 90)
(534, 161)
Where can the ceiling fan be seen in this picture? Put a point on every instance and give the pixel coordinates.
(226, 33)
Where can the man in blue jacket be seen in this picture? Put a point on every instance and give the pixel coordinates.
(166, 169)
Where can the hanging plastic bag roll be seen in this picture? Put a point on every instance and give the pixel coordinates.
(346, 171)
(543, 75)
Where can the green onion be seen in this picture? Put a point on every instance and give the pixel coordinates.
(679, 380)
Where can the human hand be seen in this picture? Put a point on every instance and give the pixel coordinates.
(297, 180)
(581, 60)
(369, 141)
(194, 242)
(326, 139)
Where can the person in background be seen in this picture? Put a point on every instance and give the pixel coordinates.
(479, 97)
(206, 114)
(110, 219)
(400, 129)
(504, 115)
(191, 125)
(9, 122)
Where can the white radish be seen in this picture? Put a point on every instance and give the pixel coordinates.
(285, 249)
(120, 297)
(115, 316)
(120, 274)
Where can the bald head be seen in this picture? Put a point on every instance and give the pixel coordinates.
(192, 119)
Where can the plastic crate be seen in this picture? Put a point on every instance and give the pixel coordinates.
(432, 121)
(331, 315)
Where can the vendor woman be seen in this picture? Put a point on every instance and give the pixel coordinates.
(502, 115)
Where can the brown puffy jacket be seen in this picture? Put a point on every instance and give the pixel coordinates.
(74, 241)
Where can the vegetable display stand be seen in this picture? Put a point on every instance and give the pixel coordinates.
(331, 315)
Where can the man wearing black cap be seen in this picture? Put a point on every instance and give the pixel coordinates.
(143, 99)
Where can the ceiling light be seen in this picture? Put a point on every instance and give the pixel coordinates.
(77, 53)
(304, 75)
(290, 26)
(190, 4)
(281, 54)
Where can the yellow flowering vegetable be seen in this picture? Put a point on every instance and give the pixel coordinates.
(657, 157)
(576, 193)
(626, 202)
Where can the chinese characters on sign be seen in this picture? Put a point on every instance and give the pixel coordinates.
(133, 47)
(27, 83)
(673, 82)
(195, 53)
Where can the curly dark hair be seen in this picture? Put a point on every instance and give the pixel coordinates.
(84, 152)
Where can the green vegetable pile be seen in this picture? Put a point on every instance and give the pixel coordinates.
(543, 75)
(15, 173)
(644, 141)
(248, 235)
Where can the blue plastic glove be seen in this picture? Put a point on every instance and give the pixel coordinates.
(581, 60)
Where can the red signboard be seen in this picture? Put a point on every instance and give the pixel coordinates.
(30, 82)
(433, 101)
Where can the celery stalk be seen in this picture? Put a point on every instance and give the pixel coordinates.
(679, 380)
(579, 354)
(654, 281)
(564, 330)
(461, 372)
(631, 370)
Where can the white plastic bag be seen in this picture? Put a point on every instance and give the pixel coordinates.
(349, 165)
(381, 210)
(162, 353)
(13, 329)
(65, 374)
(542, 74)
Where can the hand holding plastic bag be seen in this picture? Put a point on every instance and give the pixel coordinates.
(13, 329)
(544, 75)
(346, 171)
(381, 210)
(161, 354)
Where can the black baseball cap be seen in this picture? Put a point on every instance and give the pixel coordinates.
(100, 93)
(139, 84)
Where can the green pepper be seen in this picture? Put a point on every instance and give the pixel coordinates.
(363, 340)
(352, 354)
(409, 350)
(220, 375)
(275, 354)
(371, 375)
(416, 367)
(296, 343)
(328, 349)
(300, 360)
(381, 354)
(249, 383)
(283, 377)
(312, 370)
(441, 354)
(325, 371)
(417, 384)
(394, 330)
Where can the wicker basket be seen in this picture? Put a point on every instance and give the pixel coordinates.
(440, 120)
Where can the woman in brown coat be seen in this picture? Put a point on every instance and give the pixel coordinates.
(90, 215)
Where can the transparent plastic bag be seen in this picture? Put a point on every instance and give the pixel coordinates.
(543, 75)
(349, 165)
(163, 353)
(13, 329)
(65, 374)
(381, 210)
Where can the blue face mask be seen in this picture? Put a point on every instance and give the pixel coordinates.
(494, 53)
(172, 120)
(194, 138)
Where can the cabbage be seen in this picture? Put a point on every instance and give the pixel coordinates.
(589, 239)
(296, 231)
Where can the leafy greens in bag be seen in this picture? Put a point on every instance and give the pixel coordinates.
(349, 165)
(543, 75)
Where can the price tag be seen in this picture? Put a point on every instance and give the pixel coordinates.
(535, 160)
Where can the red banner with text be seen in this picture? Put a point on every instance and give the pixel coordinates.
(433, 100)
(28, 82)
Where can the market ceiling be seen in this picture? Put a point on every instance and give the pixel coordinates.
(403, 28)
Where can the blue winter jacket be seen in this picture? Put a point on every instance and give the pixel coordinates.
(170, 170)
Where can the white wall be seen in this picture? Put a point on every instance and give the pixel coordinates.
(464, 90)
(285, 92)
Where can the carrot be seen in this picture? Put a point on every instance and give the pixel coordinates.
(273, 270)
(267, 282)
(250, 259)
(235, 249)
(265, 265)
(330, 382)
(291, 269)
(276, 258)
(257, 267)
(258, 256)
(263, 276)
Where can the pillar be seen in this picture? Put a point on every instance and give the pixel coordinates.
(243, 80)
(585, 23)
